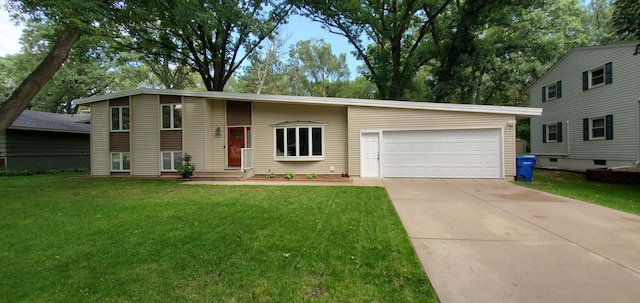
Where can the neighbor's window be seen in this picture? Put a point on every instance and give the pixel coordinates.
(120, 118)
(171, 160)
(597, 128)
(552, 91)
(552, 133)
(299, 143)
(121, 161)
(171, 116)
(597, 76)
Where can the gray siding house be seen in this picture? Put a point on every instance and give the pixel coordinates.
(591, 109)
(43, 141)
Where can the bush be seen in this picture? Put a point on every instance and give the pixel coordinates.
(17, 173)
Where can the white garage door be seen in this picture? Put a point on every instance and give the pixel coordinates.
(442, 153)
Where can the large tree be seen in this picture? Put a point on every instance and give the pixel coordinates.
(75, 17)
(626, 18)
(318, 67)
(211, 37)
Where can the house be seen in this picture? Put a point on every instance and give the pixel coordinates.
(42, 141)
(145, 132)
(591, 104)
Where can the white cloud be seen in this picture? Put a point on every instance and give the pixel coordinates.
(9, 34)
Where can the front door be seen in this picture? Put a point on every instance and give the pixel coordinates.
(236, 143)
(370, 155)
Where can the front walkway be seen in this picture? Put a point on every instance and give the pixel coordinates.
(493, 241)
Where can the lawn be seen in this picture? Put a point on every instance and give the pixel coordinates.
(66, 238)
(575, 185)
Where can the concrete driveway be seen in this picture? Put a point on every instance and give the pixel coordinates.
(493, 241)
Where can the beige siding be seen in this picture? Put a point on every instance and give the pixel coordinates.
(145, 135)
(218, 153)
(193, 130)
(209, 133)
(266, 115)
(368, 118)
(100, 125)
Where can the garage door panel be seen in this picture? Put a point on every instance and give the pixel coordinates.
(442, 154)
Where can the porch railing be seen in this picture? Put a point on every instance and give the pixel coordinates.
(246, 161)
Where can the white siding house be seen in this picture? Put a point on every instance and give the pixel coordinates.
(591, 109)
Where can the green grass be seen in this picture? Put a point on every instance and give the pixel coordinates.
(576, 186)
(66, 238)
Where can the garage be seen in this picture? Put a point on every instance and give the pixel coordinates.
(466, 153)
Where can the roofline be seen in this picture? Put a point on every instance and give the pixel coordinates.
(581, 48)
(521, 112)
(55, 130)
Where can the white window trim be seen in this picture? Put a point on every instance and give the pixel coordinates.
(298, 158)
(604, 128)
(119, 119)
(171, 116)
(549, 133)
(175, 166)
(548, 90)
(121, 169)
(604, 80)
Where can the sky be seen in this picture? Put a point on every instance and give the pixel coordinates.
(298, 27)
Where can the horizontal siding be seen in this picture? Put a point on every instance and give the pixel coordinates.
(119, 141)
(367, 118)
(170, 140)
(100, 156)
(209, 128)
(145, 135)
(36, 143)
(193, 127)
(619, 99)
(266, 115)
(3, 143)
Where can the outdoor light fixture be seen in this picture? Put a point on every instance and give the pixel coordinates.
(218, 134)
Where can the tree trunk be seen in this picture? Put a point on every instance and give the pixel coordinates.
(22, 96)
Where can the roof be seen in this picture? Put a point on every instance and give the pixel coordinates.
(521, 112)
(42, 121)
(583, 48)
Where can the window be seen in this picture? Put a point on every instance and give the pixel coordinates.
(552, 91)
(171, 116)
(120, 118)
(599, 162)
(552, 133)
(598, 76)
(171, 160)
(597, 128)
(299, 143)
(121, 161)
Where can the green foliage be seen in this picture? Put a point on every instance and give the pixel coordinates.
(17, 173)
(317, 67)
(290, 176)
(187, 166)
(69, 239)
(270, 175)
(312, 176)
(626, 18)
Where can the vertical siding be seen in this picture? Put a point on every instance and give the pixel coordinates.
(218, 152)
(370, 118)
(100, 125)
(266, 115)
(194, 130)
(145, 135)
(619, 99)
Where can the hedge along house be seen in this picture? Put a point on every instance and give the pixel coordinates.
(144, 133)
(43, 141)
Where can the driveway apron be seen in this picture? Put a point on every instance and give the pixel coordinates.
(493, 241)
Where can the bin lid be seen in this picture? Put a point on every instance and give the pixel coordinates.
(526, 157)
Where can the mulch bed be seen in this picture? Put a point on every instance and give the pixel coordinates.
(303, 178)
(621, 176)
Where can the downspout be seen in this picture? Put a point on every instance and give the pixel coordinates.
(568, 141)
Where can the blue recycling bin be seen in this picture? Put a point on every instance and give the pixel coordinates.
(524, 167)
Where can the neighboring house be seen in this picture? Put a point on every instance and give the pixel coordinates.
(591, 104)
(43, 141)
(145, 132)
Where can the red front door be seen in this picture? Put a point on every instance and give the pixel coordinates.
(236, 143)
